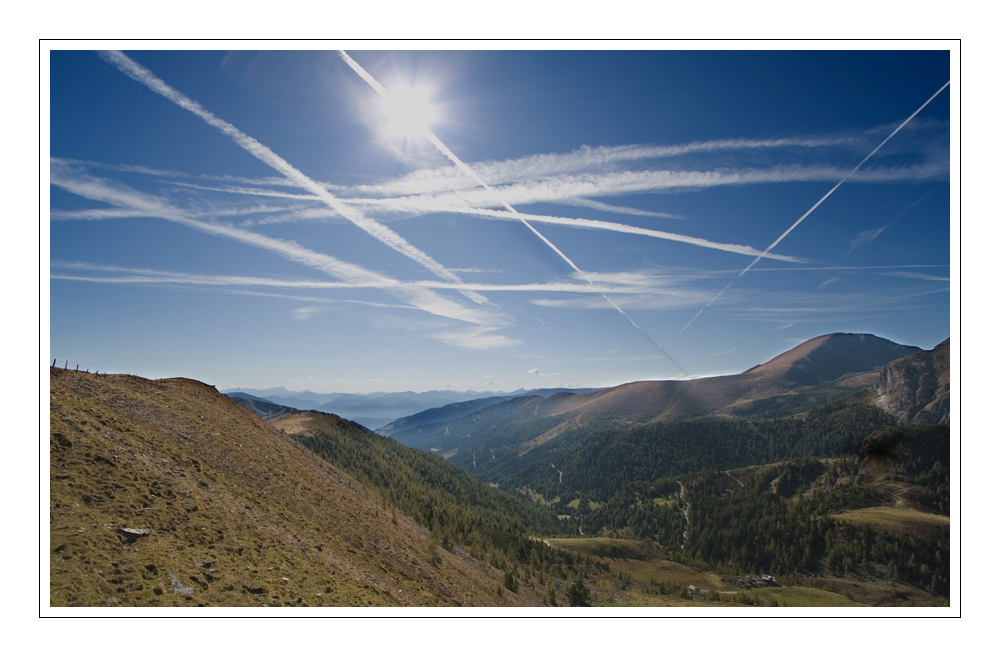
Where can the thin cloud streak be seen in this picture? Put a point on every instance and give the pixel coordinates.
(254, 191)
(817, 204)
(195, 279)
(596, 224)
(272, 159)
(624, 283)
(253, 293)
(619, 209)
(913, 274)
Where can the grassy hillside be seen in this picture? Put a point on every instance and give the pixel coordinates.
(167, 493)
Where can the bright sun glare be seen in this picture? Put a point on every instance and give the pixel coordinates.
(409, 111)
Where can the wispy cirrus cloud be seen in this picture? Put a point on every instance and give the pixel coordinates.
(866, 237)
(305, 312)
(484, 338)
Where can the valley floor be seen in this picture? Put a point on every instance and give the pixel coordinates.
(640, 576)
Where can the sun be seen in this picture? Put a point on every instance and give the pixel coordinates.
(409, 111)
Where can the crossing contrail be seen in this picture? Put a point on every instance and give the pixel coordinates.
(816, 205)
(382, 91)
(385, 235)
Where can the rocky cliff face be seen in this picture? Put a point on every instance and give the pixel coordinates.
(917, 389)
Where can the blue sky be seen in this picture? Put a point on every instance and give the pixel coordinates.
(570, 219)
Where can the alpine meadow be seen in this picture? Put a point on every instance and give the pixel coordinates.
(527, 328)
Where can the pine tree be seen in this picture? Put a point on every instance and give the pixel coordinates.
(578, 594)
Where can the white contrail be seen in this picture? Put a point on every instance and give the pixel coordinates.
(272, 159)
(619, 209)
(620, 228)
(472, 174)
(816, 205)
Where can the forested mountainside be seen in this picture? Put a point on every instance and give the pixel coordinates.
(793, 483)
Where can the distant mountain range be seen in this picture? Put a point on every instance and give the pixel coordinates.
(819, 369)
(377, 409)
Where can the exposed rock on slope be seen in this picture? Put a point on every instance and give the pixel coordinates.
(168, 493)
(917, 389)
